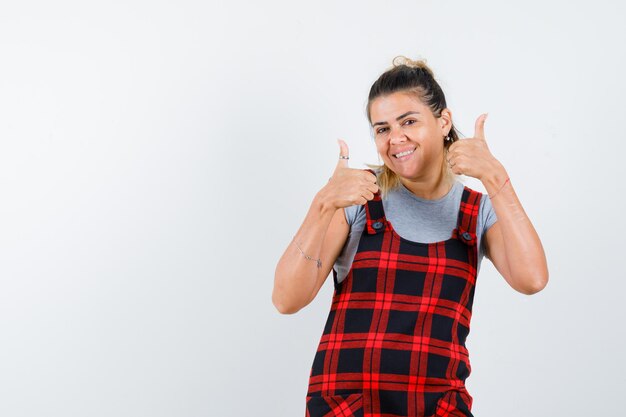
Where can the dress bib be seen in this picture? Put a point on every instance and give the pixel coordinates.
(394, 339)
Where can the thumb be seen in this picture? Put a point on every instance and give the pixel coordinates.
(343, 151)
(479, 127)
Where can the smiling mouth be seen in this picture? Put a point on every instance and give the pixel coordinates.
(405, 153)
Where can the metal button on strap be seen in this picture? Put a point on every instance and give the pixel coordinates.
(378, 225)
(466, 236)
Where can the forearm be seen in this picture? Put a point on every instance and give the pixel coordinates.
(295, 275)
(524, 251)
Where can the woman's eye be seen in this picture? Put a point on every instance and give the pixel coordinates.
(382, 129)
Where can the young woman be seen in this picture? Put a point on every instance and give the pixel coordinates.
(404, 242)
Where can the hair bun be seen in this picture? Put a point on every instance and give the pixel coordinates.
(419, 63)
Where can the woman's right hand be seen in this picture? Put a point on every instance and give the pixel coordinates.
(321, 236)
(348, 186)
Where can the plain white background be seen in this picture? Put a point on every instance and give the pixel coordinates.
(157, 157)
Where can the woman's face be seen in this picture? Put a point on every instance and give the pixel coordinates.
(408, 137)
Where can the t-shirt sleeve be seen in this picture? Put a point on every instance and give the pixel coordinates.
(489, 215)
(352, 213)
(488, 218)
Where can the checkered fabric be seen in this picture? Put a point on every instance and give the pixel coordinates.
(394, 340)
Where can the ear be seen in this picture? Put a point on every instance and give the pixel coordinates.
(445, 121)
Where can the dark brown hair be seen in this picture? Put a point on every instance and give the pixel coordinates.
(412, 77)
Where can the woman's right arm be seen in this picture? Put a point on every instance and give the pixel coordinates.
(323, 233)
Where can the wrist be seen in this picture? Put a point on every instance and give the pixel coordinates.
(494, 178)
(322, 202)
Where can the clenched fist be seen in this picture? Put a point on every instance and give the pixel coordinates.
(349, 186)
(471, 156)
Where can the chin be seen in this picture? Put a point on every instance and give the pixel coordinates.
(406, 171)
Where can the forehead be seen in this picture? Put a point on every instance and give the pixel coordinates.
(386, 108)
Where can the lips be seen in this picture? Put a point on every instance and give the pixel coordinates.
(404, 153)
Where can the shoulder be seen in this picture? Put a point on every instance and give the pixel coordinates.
(473, 196)
(486, 214)
(480, 198)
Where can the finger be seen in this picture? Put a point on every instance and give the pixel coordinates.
(369, 177)
(343, 152)
(373, 188)
(368, 195)
(479, 127)
(457, 168)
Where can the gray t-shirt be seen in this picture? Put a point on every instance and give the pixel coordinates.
(416, 219)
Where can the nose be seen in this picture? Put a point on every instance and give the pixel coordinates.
(396, 136)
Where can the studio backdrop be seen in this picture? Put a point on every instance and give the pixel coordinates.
(156, 158)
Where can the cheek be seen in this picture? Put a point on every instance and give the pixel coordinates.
(381, 148)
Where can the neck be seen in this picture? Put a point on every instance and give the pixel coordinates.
(431, 187)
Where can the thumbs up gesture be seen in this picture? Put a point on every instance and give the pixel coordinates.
(471, 156)
(349, 186)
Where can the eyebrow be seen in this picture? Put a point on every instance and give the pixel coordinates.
(397, 118)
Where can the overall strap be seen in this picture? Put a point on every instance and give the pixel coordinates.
(468, 215)
(376, 222)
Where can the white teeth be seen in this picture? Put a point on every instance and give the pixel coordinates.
(405, 153)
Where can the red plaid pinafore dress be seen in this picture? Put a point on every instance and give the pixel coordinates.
(394, 340)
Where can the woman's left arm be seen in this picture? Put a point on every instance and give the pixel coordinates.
(511, 243)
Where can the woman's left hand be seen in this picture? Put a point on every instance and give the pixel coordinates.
(471, 156)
